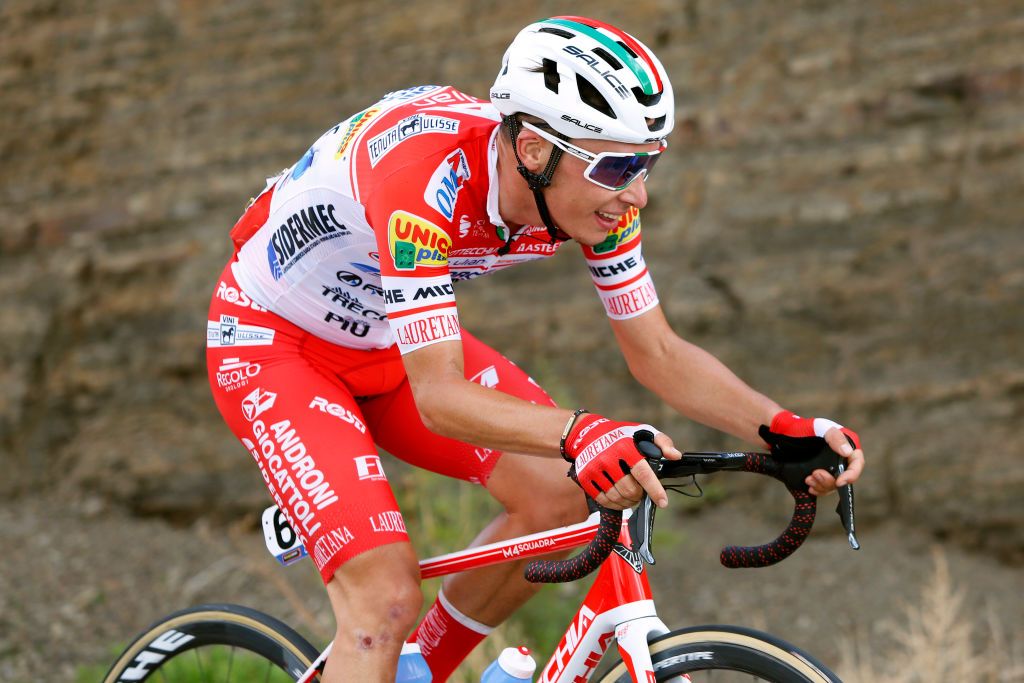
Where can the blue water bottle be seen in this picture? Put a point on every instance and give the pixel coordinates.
(513, 665)
(412, 667)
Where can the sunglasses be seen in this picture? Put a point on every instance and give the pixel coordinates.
(611, 170)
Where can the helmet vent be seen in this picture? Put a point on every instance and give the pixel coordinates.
(645, 99)
(656, 124)
(628, 49)
(606, 56)
(591, 96)
(550, 70)
(557, 32)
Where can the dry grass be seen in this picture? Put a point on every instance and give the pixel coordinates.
(938, 638)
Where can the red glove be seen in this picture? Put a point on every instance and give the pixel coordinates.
(602, 451)
(792, 431)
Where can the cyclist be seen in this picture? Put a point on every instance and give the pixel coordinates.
(334, 328)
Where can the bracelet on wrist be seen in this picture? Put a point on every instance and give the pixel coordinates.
(565, 432)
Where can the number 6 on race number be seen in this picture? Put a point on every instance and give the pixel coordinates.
(282, 541)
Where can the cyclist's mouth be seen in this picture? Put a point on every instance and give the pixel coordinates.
(607, 220)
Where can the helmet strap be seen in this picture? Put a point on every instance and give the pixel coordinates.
(536, 181)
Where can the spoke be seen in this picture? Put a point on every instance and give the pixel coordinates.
(231, 663)
(199, 664)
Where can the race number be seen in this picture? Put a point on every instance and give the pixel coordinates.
(282, 541)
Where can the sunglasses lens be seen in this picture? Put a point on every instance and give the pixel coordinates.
(620, 171)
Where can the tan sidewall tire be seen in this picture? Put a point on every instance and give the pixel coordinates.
(211, 614)
(662, 649)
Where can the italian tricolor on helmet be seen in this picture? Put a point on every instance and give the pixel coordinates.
(586, 79)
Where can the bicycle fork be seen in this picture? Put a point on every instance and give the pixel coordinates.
(619, 606)
(632, 638)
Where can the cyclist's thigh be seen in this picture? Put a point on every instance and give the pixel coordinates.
(396, 424)
(306, 434)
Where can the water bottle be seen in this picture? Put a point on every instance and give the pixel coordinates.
(513, 665)
(412, 667)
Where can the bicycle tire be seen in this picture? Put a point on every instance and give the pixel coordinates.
(725, 649)
(251, 639)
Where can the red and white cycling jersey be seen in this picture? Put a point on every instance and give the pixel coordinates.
(360, 241)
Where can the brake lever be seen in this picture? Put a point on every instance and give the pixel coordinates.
(641, 528)
(641, 524)
(844, 508)
(793, 473)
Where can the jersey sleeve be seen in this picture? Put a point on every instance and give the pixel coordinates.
(619, 271)
(413, 240)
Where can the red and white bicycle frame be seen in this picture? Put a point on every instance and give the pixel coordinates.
(619, 605)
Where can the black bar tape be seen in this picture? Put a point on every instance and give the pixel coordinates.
(596, 552)
(804, 510)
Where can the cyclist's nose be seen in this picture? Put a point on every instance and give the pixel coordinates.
(636, 192)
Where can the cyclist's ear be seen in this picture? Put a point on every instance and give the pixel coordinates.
(533, 150)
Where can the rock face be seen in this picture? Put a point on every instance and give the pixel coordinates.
(838, 219)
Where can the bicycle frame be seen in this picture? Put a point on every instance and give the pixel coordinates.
(618, 605)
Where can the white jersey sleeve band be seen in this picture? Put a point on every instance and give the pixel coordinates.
(630, 299)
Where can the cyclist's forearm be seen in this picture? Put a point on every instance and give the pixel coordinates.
(701, 387)
(468, 412)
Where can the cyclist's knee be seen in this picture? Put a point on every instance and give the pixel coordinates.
(569, 507)
(376, 596)
(537, 491)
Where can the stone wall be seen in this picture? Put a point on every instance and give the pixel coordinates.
(838, 218)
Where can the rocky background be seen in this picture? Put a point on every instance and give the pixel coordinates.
(839, 219)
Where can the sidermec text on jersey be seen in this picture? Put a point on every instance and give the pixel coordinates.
(300, 233)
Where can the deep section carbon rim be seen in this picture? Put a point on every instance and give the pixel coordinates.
(215, 643)
(726, 654)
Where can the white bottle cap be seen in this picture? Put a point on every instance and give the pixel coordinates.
(518, 662)
(410, 648)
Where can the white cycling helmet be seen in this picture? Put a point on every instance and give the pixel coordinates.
(586, 79)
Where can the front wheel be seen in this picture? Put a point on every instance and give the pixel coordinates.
(724, 654)
(215, 642)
